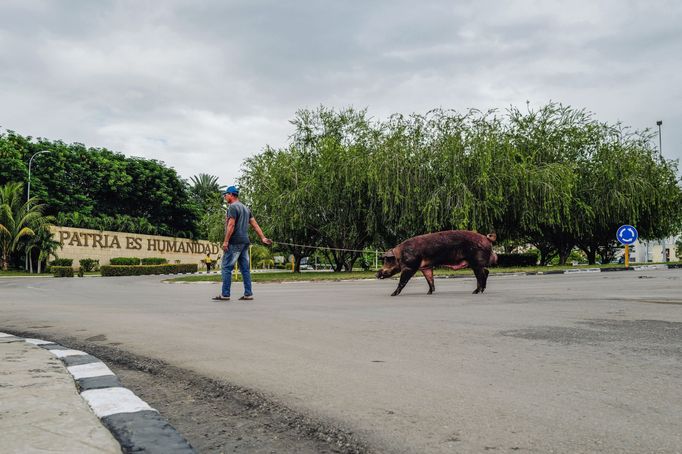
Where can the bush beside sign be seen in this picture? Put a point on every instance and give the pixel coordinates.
(142, 270)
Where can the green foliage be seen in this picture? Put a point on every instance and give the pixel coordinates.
(261, 255)
(525, 259)
(124, 261)
(152, 261)
(61, 271)
(42, 245)
(205, 194)
(88, 265)
(61, 262)
(100, 189)
(116, 223)
(140, 270)
(553, 177)
(18, 220)
(316, 191)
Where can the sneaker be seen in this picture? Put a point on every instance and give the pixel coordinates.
(246, 298)
(221, 298)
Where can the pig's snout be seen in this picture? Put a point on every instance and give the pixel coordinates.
(387, 272)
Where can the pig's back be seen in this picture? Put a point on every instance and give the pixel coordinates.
(449, 246)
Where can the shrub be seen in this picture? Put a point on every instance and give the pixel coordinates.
(124, 261)
(141, 270)
(61, 262)
(62, 271)
(88, 265)
(154, 261)
(508, 260)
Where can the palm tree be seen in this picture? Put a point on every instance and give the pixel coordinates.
(16, 219)
(44, 242)
(205, 191)
(205, 183)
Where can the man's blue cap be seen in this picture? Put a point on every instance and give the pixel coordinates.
(231, 190)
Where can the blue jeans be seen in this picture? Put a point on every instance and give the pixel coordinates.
(236, 253)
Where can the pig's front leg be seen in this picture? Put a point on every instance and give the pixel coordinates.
(405, 276)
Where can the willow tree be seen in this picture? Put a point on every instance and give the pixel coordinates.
(442, 170)
(549, 145)
(625, 181)
(334, 149)
(275, 183)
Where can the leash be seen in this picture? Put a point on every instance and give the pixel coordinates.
(325, 247)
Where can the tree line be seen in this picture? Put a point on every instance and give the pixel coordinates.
(555, 178)
(100, 189)
(92, 188)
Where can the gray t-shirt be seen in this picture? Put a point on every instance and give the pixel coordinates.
(242, 215)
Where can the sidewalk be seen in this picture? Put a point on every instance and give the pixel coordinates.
(40, 408)
(57, 400)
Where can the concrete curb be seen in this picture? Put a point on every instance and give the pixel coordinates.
(133, 423)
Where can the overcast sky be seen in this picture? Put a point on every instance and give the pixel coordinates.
(201, 85)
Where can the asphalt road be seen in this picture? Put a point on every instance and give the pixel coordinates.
(567, 363)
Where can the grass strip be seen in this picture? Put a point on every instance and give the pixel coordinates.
(329, 276)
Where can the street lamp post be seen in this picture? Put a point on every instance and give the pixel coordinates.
(659, 123)
(30, 161)
(28, 192)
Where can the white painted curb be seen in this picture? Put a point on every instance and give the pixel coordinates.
(89, 370)
(109, 401)
(65, 353)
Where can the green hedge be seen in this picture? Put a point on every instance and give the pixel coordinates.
(61, 262)
(124, 261)
(62, 271)
(529, 259)
(88, 265)
(140, 270)
(154, 261)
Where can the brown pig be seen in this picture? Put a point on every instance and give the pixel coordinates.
(454, 249)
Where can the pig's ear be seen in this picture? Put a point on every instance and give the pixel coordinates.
(492, 237)
(389, 255)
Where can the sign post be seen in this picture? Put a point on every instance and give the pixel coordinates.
(627, 235)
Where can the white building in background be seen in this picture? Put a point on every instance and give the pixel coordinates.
(655, 251)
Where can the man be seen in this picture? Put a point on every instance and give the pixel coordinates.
(209, 262)
(236, 245)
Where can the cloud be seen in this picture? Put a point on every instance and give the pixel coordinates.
(202, 85)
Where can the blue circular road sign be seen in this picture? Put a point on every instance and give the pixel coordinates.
(627, 234)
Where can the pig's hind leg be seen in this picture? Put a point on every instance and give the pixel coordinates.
(428, 275)
(485, 278)
(481, 278)
(405, 276)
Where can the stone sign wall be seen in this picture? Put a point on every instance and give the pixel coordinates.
(80, 244)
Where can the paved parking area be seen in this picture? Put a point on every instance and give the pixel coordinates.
(568, 363)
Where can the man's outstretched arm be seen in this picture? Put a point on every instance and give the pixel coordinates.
(258, 230)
